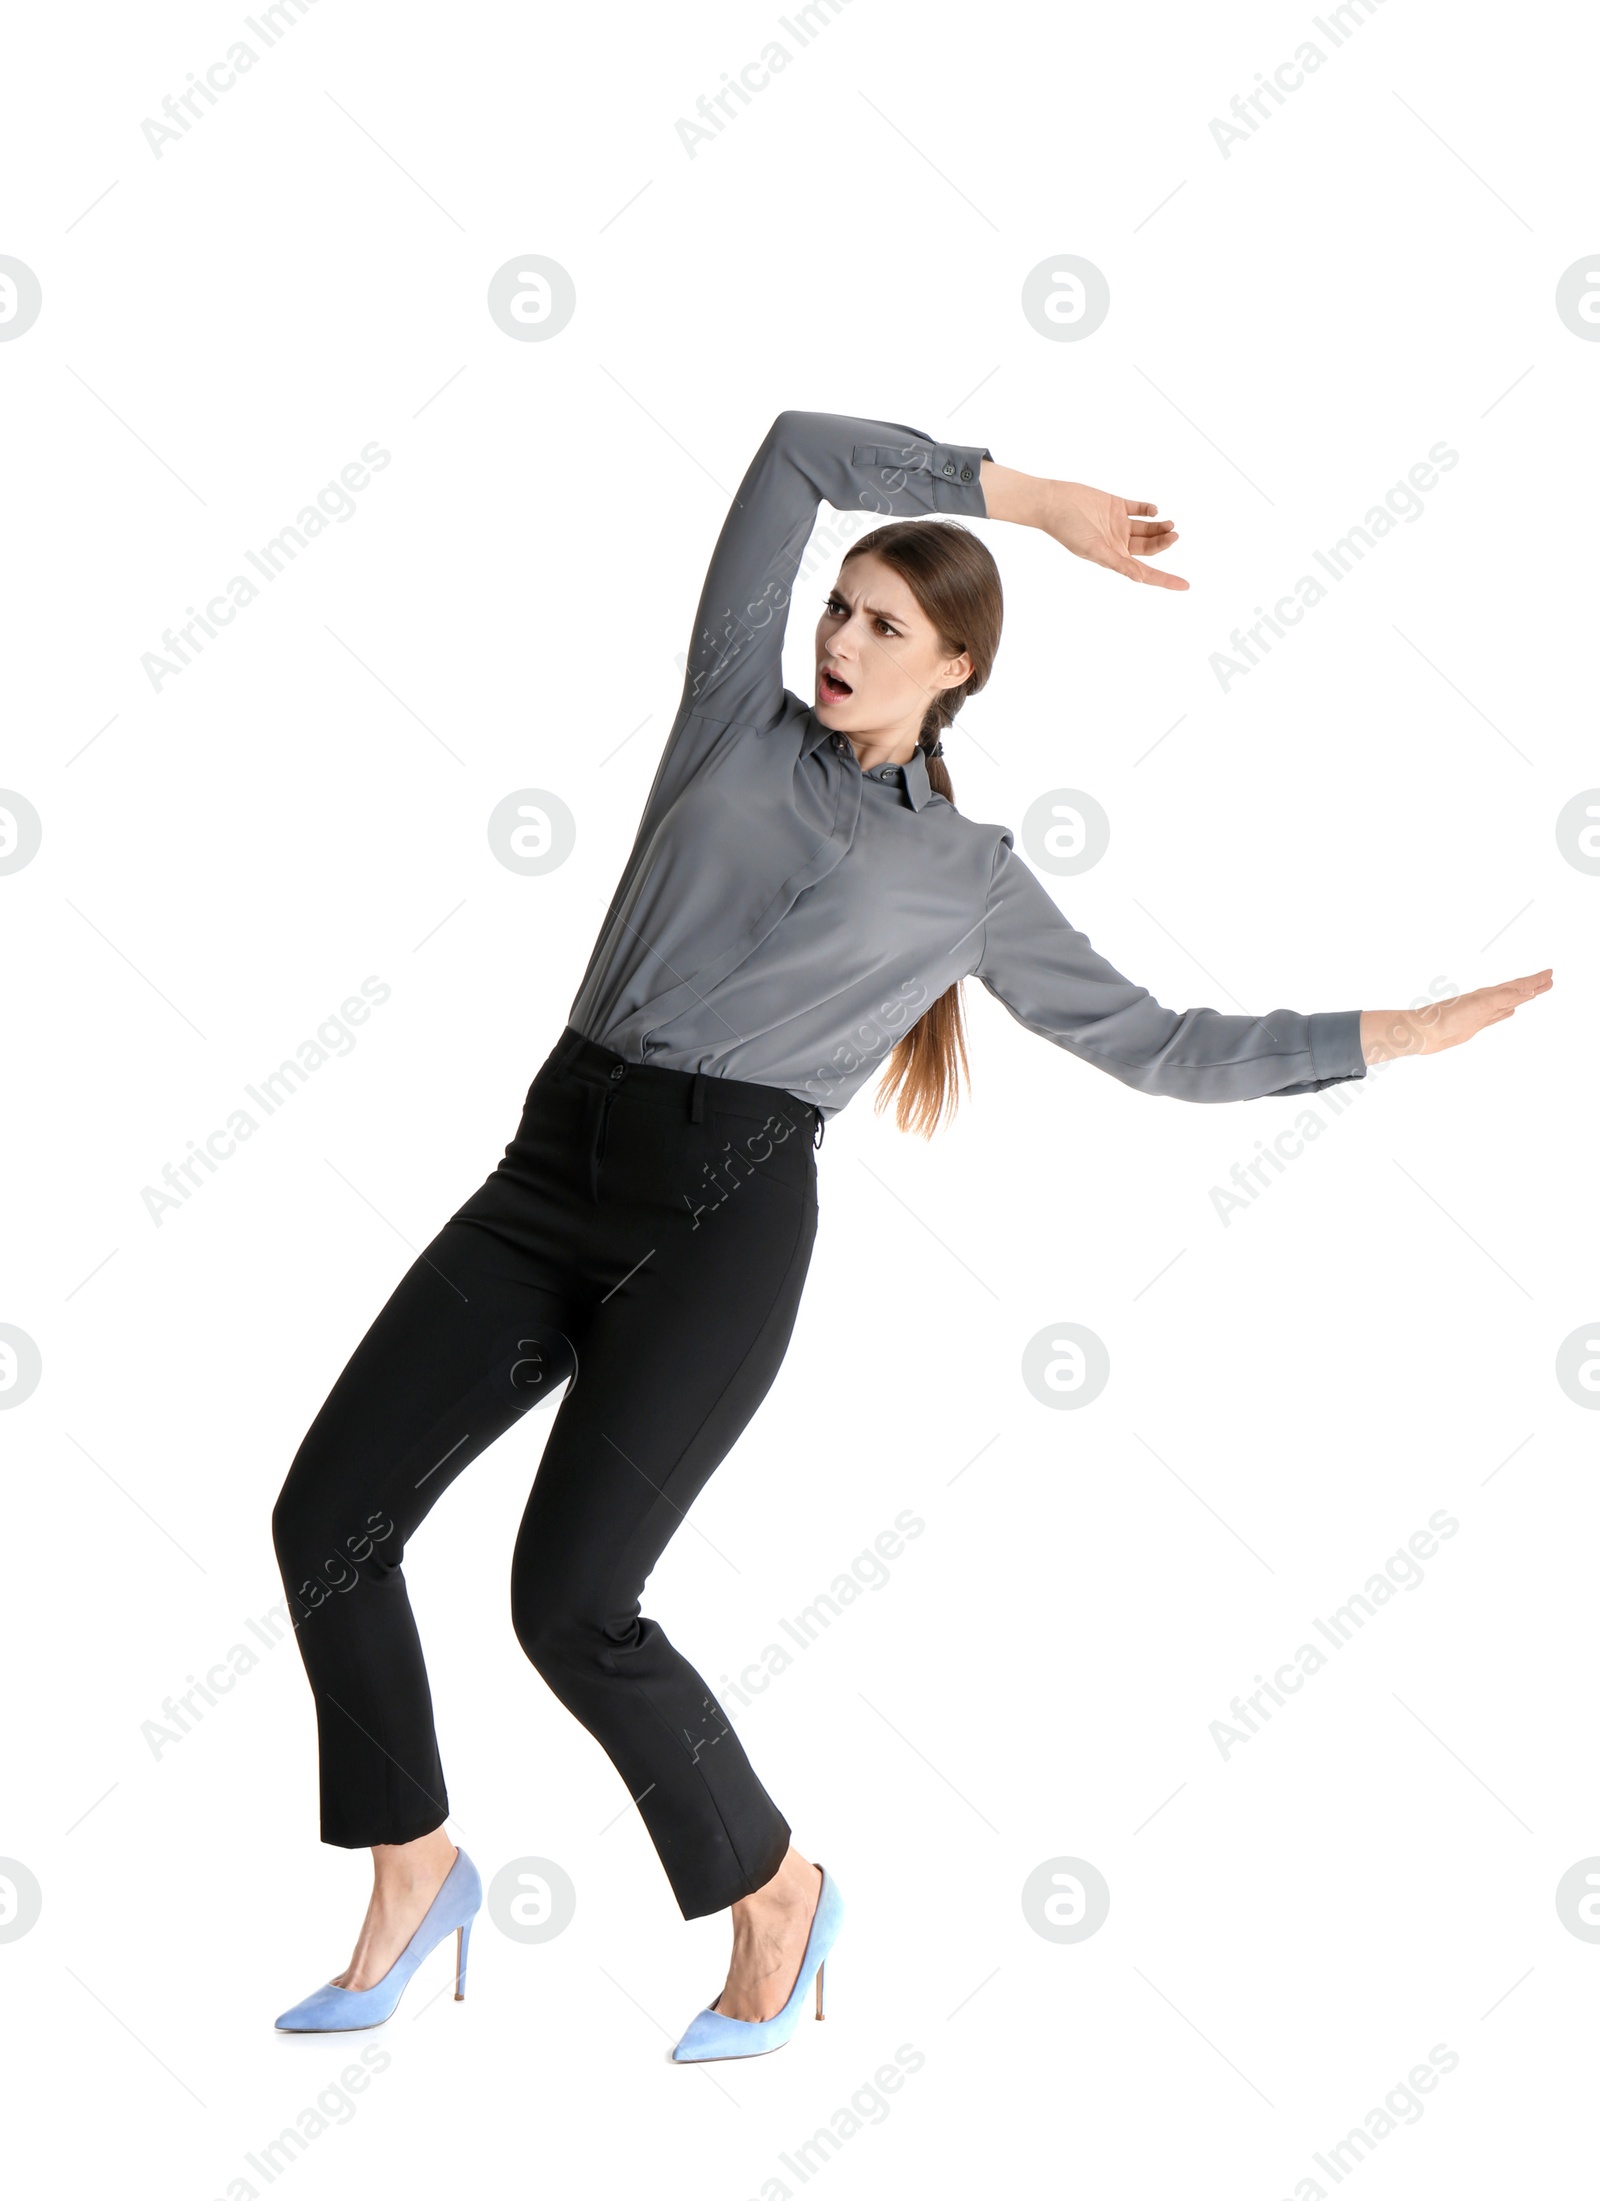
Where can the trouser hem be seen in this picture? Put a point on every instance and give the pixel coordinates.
(750, 1883)
(374, 1832)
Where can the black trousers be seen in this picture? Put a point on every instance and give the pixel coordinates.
(645, 1241)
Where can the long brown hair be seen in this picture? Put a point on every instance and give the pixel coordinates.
(957, 586)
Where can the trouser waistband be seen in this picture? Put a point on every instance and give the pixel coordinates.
(690, 1092)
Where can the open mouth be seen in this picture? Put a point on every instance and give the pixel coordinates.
(832, 688)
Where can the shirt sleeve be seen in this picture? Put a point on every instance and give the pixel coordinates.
(1046, 973)
(733, 672)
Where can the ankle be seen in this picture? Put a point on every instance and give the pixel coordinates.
(400, 1869)
(791, 1889)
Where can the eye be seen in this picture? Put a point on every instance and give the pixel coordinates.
(836, 609)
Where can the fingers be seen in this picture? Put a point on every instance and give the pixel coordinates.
(1487, 1005)
(1130, 507)
(1151, 538)
(1522, 989)
(1136, 570)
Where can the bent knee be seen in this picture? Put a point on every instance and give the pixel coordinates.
(550, 1637)
(561, 1636)
(312, 1533)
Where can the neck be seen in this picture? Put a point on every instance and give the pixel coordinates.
(894, 747)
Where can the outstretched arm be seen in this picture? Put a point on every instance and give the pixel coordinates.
(1047, 974)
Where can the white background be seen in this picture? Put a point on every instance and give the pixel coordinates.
(1370, 810)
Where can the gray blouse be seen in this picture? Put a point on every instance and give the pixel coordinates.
(785, 916)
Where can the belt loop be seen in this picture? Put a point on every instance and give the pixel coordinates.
(697, 1099)
(822, 1126)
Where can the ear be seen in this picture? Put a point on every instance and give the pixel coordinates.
(955, 671)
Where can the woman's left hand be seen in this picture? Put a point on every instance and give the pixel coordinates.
(1104, 529)
(1387, 1032)
(1107, 531)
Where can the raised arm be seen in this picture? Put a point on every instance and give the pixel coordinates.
(881, 468)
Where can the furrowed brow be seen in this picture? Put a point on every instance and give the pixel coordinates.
(895, 618)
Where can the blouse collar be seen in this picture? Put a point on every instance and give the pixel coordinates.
(913, 774)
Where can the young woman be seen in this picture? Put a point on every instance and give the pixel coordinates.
(802, 900)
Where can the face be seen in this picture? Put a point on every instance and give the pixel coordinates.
(879, 657)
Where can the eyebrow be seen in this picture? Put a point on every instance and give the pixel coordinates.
(894, 618)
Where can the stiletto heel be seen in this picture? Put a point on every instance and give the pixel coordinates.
(331, 2009)
(712, 2038)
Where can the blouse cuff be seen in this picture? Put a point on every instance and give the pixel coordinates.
(950, 470)
(1335, 1041)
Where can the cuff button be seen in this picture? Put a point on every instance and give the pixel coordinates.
(966, 473)
(949, 466)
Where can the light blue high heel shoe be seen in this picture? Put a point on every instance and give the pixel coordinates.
(332, 2009)
(712, 2038)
